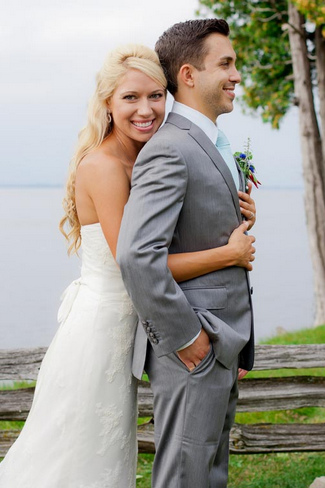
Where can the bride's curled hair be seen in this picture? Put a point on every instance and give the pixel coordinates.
(99, 122)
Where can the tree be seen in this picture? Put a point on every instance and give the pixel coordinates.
(281, 56)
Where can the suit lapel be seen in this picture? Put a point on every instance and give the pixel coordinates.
(210, 149)
(242, 181)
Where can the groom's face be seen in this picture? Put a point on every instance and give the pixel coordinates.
(214, 85)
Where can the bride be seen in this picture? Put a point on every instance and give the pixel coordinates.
(81, 430)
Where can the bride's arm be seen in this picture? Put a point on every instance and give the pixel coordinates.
(238, 252)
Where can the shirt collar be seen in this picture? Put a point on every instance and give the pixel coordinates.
(209, 128)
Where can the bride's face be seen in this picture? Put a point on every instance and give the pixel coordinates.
(137, 106)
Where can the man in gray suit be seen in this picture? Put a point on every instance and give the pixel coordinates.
(192, 336)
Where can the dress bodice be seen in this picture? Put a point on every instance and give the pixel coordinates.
(100, 274)
(99, 269)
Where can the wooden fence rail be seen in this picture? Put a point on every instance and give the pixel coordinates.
(255, 395)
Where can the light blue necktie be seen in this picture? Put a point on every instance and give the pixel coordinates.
(224, 148)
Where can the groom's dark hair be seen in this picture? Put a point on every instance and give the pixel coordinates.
(184, 43)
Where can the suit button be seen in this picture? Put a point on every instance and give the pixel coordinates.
(252, 290)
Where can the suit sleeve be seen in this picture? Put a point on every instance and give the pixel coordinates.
(158, 189)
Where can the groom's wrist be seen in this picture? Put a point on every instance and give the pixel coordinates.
(189, 343)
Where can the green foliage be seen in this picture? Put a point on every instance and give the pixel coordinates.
(314, 10)
(260, 37)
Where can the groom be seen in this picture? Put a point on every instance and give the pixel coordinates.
(193, 336)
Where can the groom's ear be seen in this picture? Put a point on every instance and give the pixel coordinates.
(185, 75)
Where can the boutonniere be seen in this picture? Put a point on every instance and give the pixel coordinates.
(244, 159)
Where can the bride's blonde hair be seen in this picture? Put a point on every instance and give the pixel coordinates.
(100, 123)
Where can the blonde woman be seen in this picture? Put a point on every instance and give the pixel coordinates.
(81, 430)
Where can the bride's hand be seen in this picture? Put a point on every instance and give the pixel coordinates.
(241, 373)
(242, 247)
(247, 206)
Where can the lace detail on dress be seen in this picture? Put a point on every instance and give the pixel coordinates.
(127, 308)
(112, 433)
(123, 341)
(111, 478)
(104, 255)
(108, 479)
(130, 462)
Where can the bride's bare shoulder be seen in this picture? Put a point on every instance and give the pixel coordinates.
(101, 166)
(100, 160)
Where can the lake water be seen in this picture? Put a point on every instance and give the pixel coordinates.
(35, 268)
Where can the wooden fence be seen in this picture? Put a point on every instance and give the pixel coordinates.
(255, 395)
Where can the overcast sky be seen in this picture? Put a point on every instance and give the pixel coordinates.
(50, 52)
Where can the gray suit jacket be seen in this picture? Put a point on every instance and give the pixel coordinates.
(183, 199)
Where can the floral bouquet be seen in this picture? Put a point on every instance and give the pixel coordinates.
(244, 159)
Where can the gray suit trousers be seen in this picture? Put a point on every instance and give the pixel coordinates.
(194, 412)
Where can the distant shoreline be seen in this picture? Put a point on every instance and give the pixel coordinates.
(45, 185)
(33, 186)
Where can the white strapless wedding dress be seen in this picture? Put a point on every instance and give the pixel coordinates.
(81, 430)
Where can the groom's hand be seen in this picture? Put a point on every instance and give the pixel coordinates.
(192, 355)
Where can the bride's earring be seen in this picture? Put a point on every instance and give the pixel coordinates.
(109, 117)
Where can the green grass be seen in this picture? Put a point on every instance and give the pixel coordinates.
(282, 470)
(316, 335)
(307, 415)
(144, 470)
(16, 385)
(279, 470)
